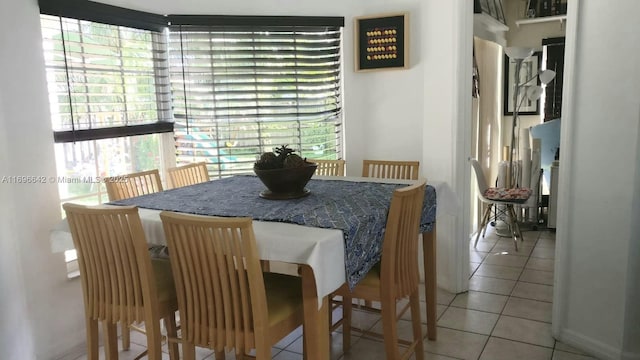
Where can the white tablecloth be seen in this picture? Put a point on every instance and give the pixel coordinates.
(321, 249)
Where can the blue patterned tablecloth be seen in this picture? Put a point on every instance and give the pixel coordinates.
(359, 209)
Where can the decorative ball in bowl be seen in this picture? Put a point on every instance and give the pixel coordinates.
(284, 174)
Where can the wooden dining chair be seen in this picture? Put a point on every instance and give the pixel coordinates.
(329, 167)
(394, 277)
(189, 174)
(132, 185)
(385, 169)
(390, 169)
(225, 300)
(121, 283)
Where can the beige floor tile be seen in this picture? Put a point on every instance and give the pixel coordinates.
(491, 285)
(529, 240)
(562, 355)
(130, 354)
(444, 297)
(544, 252)
(548, 235)
(537, 276)
(287, 355)
(482, 301)
(430, 356)
(468, 320)
(287, 340)
(297, 345)
(473, 266)
(497, 258)
(423, 310)
(527, 331)
(477, 256)
(533, 291)
(501, 349)
(366, 349)
(509, 248)
(498, 271)
(457, 344)
(528, 309)
(540, 264)
(484, 246)
(546, 242)
(405, 330)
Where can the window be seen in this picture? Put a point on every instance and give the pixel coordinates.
(109, 98)
(109, 95)
(118, 78)
(554, 52)
(241, 90)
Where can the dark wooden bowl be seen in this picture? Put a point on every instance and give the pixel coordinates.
(286, 183)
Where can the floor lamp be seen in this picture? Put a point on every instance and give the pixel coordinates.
(522, 90)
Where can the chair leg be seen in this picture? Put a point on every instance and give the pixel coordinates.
(261, 354)
(154, 340)
(414, 301)
(110, 334)
(126, 336)
(172, 333)
(512, 224)
(483, 223)
(220, 355)
(518, 232)
(92, 339)
(347, 305)
(189, 351)
(390, 329)
(486, 224)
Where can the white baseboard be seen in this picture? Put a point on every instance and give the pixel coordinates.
(594, 347)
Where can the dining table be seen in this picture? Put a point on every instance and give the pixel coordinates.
(334, 234)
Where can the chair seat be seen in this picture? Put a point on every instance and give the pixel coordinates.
(284, 296)
(372, 279)
(507, 194)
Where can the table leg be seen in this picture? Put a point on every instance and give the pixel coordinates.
(316, 326)
(430, 280)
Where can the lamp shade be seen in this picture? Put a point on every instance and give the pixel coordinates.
(534, 92)
(518, 52)
(546, 76)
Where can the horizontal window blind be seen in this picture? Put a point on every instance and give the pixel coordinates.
(239, 91)
(105, 80)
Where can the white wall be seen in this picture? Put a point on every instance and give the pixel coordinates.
(596, 285)
(15, 336)
(44, 317)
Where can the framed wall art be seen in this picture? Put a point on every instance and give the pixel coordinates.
(530, 68)
(382, 42)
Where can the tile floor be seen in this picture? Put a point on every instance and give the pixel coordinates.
(506, 314)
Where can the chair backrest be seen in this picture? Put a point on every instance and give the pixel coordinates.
(115, 268)
(219, 283)
(385, 169)
(400, 246)
(481, 181)
(329, 167)
(188, 174)
(132, 185)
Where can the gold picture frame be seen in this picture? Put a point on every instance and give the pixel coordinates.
(381, 42)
